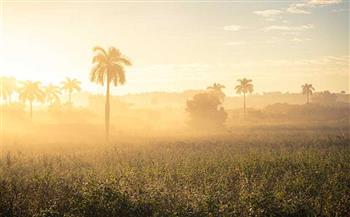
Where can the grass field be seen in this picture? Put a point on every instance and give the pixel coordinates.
(260, 173)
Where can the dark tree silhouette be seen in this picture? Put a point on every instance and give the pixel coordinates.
(216, 89)
(205, 112)
(109, 67)
(307, 90)
(324, 98)
(245, 86)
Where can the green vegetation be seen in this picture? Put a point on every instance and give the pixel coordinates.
(261, 173)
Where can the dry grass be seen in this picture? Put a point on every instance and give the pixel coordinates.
(260, 173)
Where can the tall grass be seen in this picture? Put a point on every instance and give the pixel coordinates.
(255, 174)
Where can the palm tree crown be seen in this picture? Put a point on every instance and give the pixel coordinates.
(244, 86)
(52, 93)
(216, 88)
(71, 85)
(307, 89)
(31, 91)
(108, 66)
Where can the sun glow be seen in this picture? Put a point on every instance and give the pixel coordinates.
(174, 108)
(50, 41)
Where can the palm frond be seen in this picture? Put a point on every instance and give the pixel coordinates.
(109, 66)
(99, 58)
(122, 60)
(99, 49)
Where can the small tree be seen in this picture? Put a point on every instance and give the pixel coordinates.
(52, 94)
(7, 88)
(307, 90)
(31, 91)
(216, 89)
(205, 112)
(245, 86)
(325, 98)
(71, 85)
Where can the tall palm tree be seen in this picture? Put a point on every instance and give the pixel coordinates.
(52, 94)
(71, 85)
(7, 88)
(216, 88)
(245, 86)
(109, 67)
(307, 90)
(31, 91)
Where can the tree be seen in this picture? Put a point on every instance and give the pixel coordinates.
(205, 111)
(7, 88)
(307, 90)
(109, 67)
(216, 89)
(71, 85)
(245, 86)
(324, 98)
(31, 91)
(52, 94)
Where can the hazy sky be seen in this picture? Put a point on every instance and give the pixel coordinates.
(181, 45)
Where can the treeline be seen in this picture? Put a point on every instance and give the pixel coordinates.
(206, 110)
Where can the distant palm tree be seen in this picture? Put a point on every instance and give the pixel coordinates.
(31, 91)
(7, 88)
(307, 90)
(216, 88)
(52, 94)
(245, 86)
(109, 66)
(71, 85)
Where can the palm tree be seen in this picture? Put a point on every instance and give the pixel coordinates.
(244, 86)
(7, 88)
(109, 67)
(71, 85)
(216, 88)
(307, 90)
(52, 93)
(31, 91)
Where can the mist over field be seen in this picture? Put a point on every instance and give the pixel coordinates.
(196, 153)
(164, 114)
(174, 108)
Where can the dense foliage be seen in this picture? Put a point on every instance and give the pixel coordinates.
(206, 111)
(256, 174)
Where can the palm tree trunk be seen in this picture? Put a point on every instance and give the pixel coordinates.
(307, 98)
(107, 111)
(31, 110)
(244, 106)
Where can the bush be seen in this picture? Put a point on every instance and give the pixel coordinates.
(205, 112)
